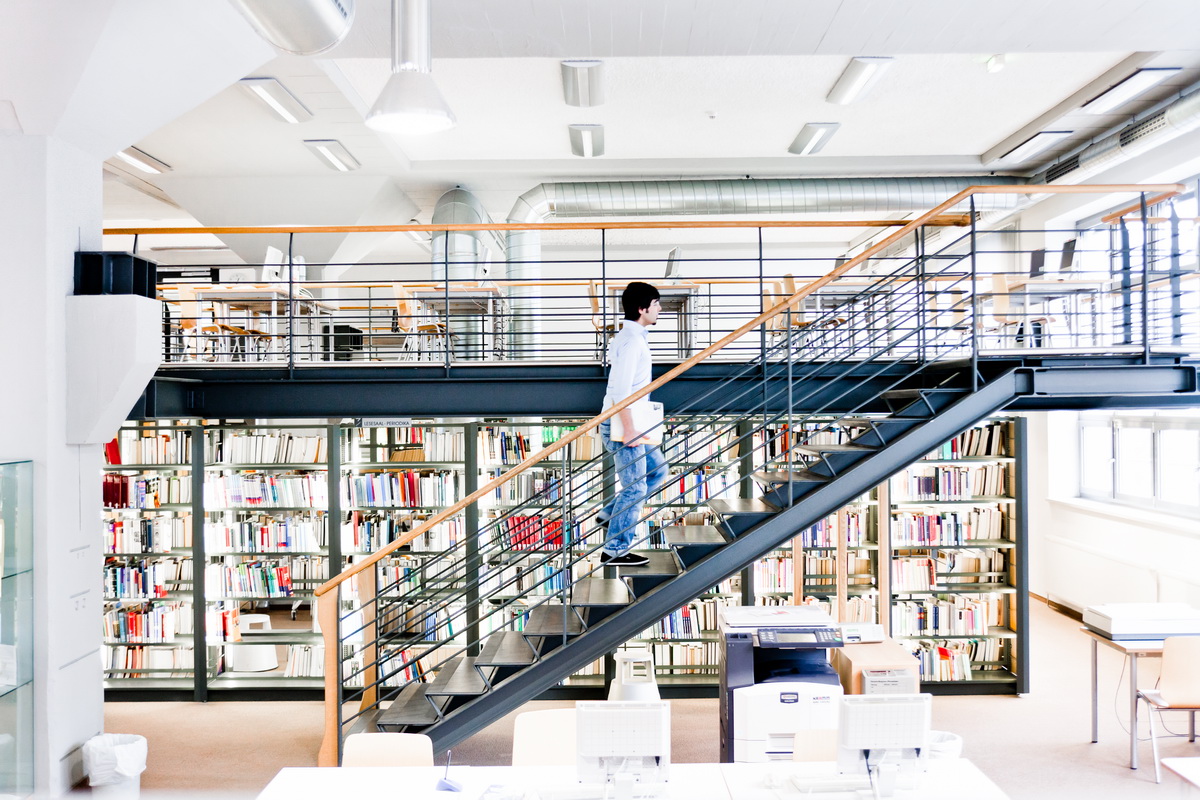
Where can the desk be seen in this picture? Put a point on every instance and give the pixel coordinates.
(687, 782)
(675, 298)
(1188, 769)
(951, 778)
(272, 301)
(478, 315)
(1132, 650)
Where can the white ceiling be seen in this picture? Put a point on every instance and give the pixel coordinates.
(695, 88)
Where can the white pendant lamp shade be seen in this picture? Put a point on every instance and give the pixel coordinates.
(410, 103)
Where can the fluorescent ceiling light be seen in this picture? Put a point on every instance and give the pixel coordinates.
(1126, 90)
(332, 154)
(1035, 144)
(581, 83)
(143, 161)
(858, 76)
(812, 137)
(410, 103)
(276, 97)
(587, 140)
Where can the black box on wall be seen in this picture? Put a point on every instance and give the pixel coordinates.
(115, 273)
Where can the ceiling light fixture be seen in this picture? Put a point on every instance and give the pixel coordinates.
(860, 74)
(276, 97)
(333, 154)
(410, 102)
(587, 140)
(1141, 81)
(143, 161)
(420, 237)
(812, 137)
(581, 83)
(996, 63)
(1034, 145)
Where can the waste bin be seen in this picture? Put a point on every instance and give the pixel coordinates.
(114, 763)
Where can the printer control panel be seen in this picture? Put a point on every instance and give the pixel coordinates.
(800, 637)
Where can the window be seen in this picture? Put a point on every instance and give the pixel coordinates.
(1148, 459)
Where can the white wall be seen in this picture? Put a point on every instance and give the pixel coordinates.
(1083, 552)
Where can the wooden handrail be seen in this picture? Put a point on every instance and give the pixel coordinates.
(1109, 219)
(951, 220)
(666, 377)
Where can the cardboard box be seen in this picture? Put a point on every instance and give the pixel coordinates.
(852, 659)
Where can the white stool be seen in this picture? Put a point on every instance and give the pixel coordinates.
(251, 657)
(635, 677)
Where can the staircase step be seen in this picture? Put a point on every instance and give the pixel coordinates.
(662, 562)
(739, 506)
(773, 477)
(834, 448)
(505, 649)
(600, 592)
(687, 535)
(547, 620)
(913, 394)
(457, 677)
(866, 422)
(410, 708)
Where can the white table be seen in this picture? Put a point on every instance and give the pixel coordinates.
(1132, 650)
(1188, 770)
(945, 778)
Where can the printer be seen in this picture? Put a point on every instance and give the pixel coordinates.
(1133, 621)
(776, 679)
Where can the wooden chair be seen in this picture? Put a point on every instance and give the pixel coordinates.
(422, 333)
(1005, 318)
(604, 331)
(387, 750)
(198, 331)
(544, 738)
(1178, 688)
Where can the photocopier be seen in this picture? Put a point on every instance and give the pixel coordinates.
(776, 680)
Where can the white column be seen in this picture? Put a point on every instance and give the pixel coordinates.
(50, 206)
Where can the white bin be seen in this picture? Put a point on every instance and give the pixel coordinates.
(114, 763)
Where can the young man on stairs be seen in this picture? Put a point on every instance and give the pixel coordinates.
(641, 467)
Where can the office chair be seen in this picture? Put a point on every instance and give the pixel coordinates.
(1178, 688)
(544, 738)
(387, 750)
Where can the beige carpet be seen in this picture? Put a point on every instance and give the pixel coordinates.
(1033, 747)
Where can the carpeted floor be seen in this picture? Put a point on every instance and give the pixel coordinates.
(1036, 746)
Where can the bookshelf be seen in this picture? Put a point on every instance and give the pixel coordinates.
(957, 554)
(16, 627)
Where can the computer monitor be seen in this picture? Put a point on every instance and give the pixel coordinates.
(673, 266)
(883, 735)
(620, 741)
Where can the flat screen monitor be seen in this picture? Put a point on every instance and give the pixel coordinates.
(882, 735)
(623, 740)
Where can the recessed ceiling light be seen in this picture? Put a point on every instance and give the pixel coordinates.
(581, 83)
(1116, 96)
(333, 154)
(860, 74)
(812, 137)
(587, 140)
(996, 63)
(276, 97)
(1034, 145)
(143, 161)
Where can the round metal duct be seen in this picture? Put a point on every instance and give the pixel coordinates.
(300, 27)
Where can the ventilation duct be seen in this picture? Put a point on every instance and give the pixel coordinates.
(300, 27)
(701, 197)
(464, 256)
(1178, 118)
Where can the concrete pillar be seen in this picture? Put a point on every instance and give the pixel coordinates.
(50, 206)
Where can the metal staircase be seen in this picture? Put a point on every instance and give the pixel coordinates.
(464, 636)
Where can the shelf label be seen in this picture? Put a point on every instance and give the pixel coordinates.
(384, 422)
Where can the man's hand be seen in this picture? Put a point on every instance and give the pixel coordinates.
(635, 440)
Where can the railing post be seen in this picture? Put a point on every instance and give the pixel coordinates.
(921, 315)
(447, 336)
(789, 439)
(1145, 279)
(973, 321)
(291, 299)
(368, 601)
(471, 531)
(603, 298)
(1176, 275)
(1126, 284)
(564, 557)
(327, 616)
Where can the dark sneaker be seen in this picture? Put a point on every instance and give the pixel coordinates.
(627, 560)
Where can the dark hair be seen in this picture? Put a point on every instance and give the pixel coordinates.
(637, 296)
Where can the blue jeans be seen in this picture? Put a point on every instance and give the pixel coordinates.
(642, 471)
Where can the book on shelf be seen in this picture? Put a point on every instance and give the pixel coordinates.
(948, 527)
(254, 489)
(266, 535)
(987, 440)
(949, 615)
(412, 488)
(159, 533)
(146, 623)
(236, 447)
(949, 482)
(138, 661)
(258, 579)
(141, 491)
(365, 531)
(144, 579)
(148, 446)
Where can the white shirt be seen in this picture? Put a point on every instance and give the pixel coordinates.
(629, 355)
